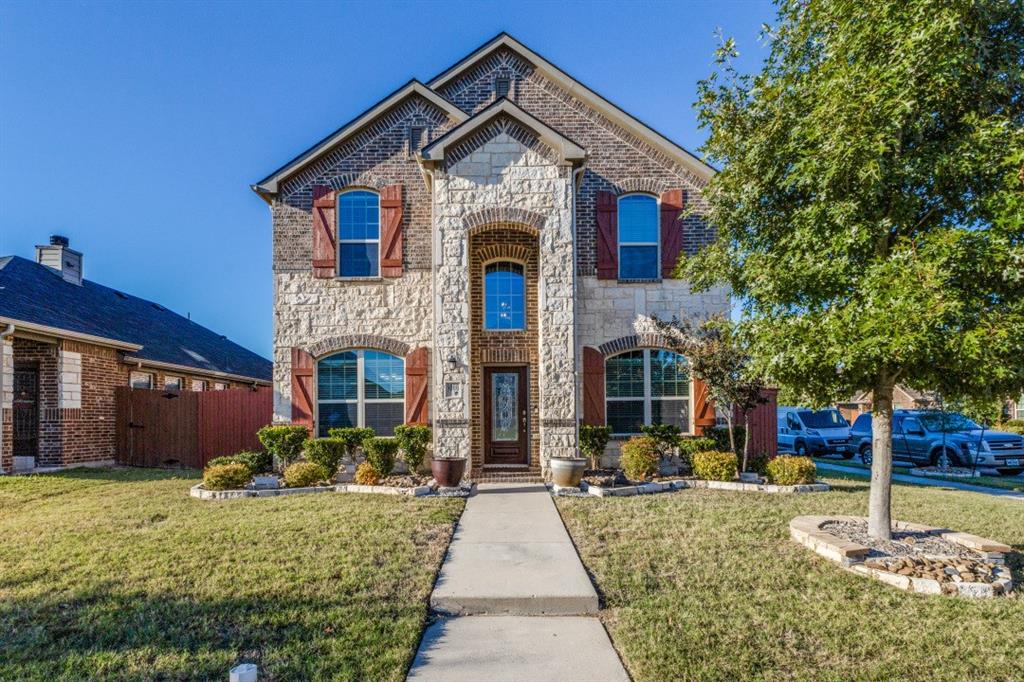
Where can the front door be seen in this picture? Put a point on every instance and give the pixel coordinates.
(25, 439)
(505, 422)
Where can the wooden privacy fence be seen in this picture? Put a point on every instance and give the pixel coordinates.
(188, 428)
(763, 424)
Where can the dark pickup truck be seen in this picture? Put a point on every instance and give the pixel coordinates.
(944, 439)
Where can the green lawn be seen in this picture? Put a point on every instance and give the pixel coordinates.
(118, 574)
(706, 584)
(1004, 482)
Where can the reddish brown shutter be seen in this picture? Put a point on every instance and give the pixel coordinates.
(593, 386)
(391, 231)
(325, 245)
(607, 236)
(302, 388)
(416, 387)
(703, 407)
(671, 230)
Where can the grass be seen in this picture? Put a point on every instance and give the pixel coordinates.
(707, 585)
(118, 574)
(1015, 483)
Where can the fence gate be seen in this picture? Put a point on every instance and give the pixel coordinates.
(185, 428)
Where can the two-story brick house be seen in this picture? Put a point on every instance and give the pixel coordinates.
(473, 252)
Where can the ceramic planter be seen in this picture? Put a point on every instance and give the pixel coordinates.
(448, 472)
(566, 472)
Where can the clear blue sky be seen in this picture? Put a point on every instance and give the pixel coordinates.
(136, 128)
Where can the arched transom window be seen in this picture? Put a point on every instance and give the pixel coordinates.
(638, 237)
(504, 296)
(358, 234)
(649, 386)
(360, 388)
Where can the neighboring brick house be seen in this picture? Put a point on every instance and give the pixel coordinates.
(903, 398)
(473, 252)
(68, 342)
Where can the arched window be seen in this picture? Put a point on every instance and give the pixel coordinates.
(638, 237)
(358, 234)
(360, 388)
(504, 296)
(650, 386)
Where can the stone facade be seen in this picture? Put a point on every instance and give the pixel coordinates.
(502, 187)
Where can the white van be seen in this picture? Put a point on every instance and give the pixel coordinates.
(814, 432)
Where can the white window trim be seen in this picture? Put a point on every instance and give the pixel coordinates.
(1019, 407)
(483, 288)
(172, 388)
(199, 385)
(337, 231)
(647, 397)
(657, 243)
(361, 401)
(133, 375)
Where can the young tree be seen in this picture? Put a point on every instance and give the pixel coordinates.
(869, 209)
(719, 357)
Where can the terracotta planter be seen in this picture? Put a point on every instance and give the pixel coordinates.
(447, 472)
(566, 472)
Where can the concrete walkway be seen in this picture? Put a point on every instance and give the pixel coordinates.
(924, 480)
(514, 599)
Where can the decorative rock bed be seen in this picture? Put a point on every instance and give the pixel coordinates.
(679, 484)
(919, 558)
(952, 472)
(431, 488)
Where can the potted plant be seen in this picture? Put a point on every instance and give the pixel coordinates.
(448, 471)
(567, 472)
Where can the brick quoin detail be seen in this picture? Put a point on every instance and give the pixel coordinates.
(350, 341)
(624, 343)
(500, 216)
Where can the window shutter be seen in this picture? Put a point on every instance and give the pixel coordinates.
(593, 387)
(607, 236)
(703, 407)
(302, 388)
(417, 382)
(325, 245)
(391, 231)
(671, 230)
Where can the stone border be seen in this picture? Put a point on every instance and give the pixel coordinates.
(418, 491)
(198, 491)
(807, 531)
(944, 474)
(680, 484)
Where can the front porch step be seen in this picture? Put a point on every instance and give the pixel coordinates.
(523, 475)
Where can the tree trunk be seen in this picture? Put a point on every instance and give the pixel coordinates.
(728, 422)
(880, 501)
(746, 439)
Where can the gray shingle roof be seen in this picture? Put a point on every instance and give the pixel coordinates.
(36, 294)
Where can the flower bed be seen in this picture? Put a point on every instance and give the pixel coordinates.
(919, 558)
(402, 487)
(624, 488)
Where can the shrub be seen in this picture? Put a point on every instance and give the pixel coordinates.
(640, 458)
(413, 440)
(715, 465)
(327, 452)
(303, 474)
(353, 437)
(720, 434)
(258, 462)
(665, 437)
(758, 463)
(690, 446)
(283, 441)
(380, 452)
(366, 474)
(1013, 426)
(230, 476)
(593, 441)
(791, 470)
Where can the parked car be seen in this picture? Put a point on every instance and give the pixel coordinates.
(944, 439)
(814, 432)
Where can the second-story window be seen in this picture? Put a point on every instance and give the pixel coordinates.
(358, 234)
(504, 296)
(502, 86)
(638, 237)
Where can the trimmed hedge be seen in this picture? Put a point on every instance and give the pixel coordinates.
(258, 462)
(304, 474)
(380, 452)
(283, 442)
(689, 446)
(1013, 426)
(412, 440)
(353, 437)
(720, 434)
(640, 458)
(230, 476)
(715, 465)
(327, 452)
(366, 474)
(593, 441)
(791, 470)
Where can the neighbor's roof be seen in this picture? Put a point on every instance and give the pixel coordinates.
(269, 185)
(39, 297)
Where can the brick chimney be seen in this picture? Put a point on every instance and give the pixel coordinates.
(59, 257)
